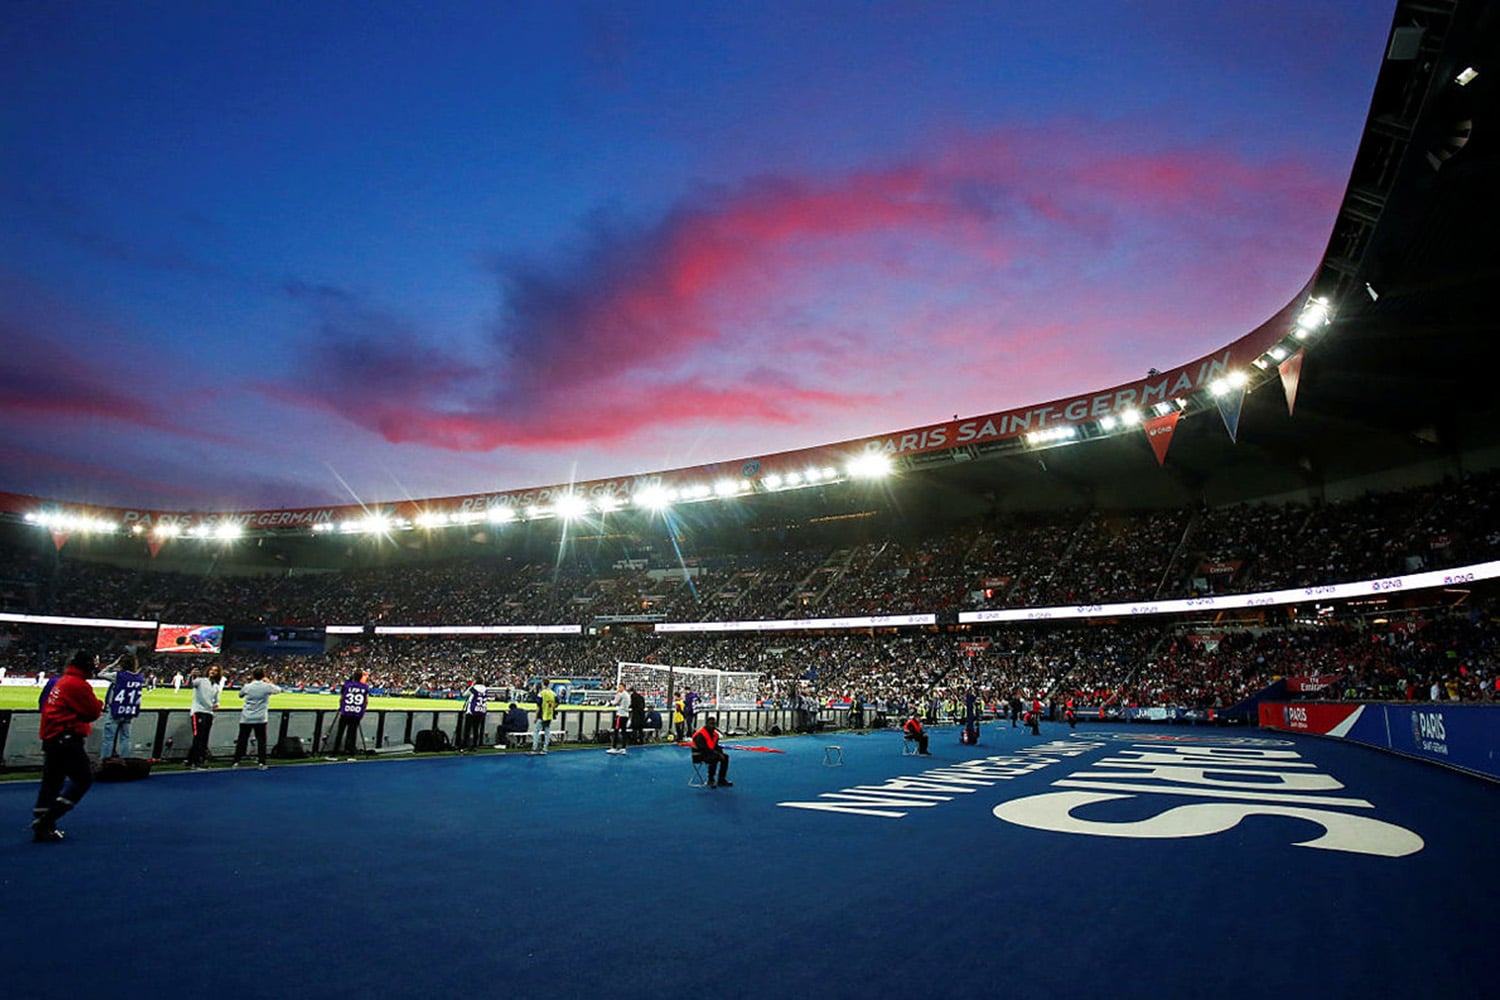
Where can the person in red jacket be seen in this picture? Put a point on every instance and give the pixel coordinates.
(67, 712)
(706, 750)
(913, 731)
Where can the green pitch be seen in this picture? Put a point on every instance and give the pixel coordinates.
(25, 697)
(22, 696)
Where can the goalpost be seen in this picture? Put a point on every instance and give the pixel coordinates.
(659, 682)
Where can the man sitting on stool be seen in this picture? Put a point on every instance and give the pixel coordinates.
(914, 731)
(706, 750)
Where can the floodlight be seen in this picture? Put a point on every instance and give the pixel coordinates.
(794, 479)
(569, 506)
(1238, 379)
(1162, 409)
(375, 524)
(699, 491)
(532, 510)
(653, 497)
(499, 515)
(870, 465)
(1107, 423)
(726, 488)
(1463, 79)
(830, 473)
(168, 529)
(607, 505)
(431, 519)
(1314, 315)
(1218, 386)
(1278, 353)
(772, 482)
(1131, 417)
(1062, 432)
(228, 531)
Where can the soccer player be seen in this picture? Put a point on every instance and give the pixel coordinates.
(706, 750)
(256, 697)
(354, 697)
(205, 703)
(124, 703)
(67, 712)
(546, 711)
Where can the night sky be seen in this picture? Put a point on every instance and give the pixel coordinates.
(267, 254)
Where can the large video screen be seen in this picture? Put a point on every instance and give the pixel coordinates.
(189, 638)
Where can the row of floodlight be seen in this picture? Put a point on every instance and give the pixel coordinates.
(570, 506)
(84, 524)
(1316, 313)
(69, 523)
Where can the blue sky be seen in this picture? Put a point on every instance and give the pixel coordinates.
(276, 254)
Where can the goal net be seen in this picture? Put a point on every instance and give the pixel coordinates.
(715, 688)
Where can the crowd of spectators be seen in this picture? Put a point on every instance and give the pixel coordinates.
(1019, 560)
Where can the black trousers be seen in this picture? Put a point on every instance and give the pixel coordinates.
(63, 760)
(203, 724)
(718, 764)
(473, 730)
(343, 742)
(240, 742)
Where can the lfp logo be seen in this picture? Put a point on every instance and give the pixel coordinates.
(1429, 733)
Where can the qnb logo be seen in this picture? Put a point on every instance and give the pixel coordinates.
(1155, 792)
(1429, 733)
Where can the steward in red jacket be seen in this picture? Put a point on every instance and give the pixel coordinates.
(67, 713)
(915, 732)
(71, 705)
(706, 750)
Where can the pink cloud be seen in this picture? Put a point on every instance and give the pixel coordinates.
(654, 327)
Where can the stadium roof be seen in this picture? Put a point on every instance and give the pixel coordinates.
(1404, 373)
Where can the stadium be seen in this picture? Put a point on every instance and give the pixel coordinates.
(1227, 633)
